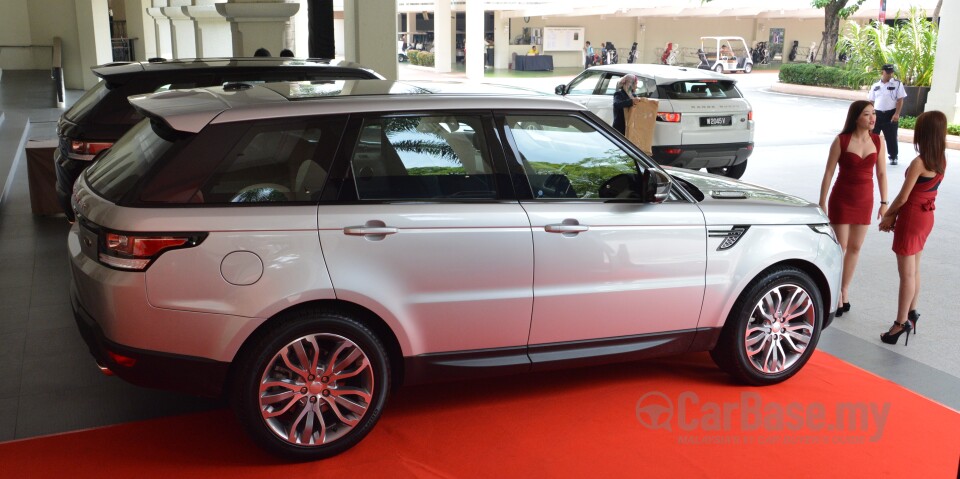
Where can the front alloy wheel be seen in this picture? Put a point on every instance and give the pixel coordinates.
(314, 387)
(772, 329)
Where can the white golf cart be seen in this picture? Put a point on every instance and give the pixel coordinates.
(725, 54)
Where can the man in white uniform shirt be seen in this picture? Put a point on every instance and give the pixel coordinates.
(887, 96)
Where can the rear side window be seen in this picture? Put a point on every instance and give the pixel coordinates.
(275, 163)
(423, 158)
(700, 89)
(646, 87)
(127, 162)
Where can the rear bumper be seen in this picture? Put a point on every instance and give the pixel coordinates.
(192, 375)
(703, 156)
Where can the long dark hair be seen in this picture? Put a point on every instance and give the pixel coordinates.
(856, 108)
(930, 140)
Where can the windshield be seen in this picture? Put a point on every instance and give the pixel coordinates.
(123, 165)
(700, 89)
(87, 101)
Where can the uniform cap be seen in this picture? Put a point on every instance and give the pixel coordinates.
(888, 68)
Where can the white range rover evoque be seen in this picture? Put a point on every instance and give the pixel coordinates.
(703, 121)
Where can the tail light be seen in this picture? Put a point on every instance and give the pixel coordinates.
(750, 115)
(86, 150)
(672, 151)
(668, 117)
(135, 251)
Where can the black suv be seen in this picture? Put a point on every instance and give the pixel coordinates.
(103, 114)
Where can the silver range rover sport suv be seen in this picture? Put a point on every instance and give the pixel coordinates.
(304, 248)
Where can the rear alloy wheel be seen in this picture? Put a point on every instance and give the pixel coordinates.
(735, 171)
(772, 329)
(313, 387)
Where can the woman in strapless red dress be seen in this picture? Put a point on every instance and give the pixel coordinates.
(850, 206)
(910, 217)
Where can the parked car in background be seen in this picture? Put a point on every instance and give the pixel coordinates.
(102, 114)
(304, 248)
(703, 120)
(725, 54)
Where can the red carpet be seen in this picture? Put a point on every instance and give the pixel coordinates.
(578, 423)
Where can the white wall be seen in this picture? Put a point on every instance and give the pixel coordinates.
(15, 30)
(44, 26)
(653, 33)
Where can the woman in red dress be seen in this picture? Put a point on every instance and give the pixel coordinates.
(910, 217)
(855, 150)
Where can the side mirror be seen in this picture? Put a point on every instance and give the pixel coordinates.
(654, 186)
(561, 89)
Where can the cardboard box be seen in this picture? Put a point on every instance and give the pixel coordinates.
(641, 119)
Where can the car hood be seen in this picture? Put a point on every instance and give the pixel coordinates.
(727, 201)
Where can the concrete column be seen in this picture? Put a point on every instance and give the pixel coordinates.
(501, 41)
(370, 35)
(945, 88)
(212, 31)
(93, 22)
(162, 32)
(641, 39)
(182, 29)
(442, 34)
(411, 27)
(141, 28)
(301, 32)
(253, 25)
(474, 44)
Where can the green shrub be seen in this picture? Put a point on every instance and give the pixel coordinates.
(412, 55)
(426, 59)
(910, 122)
(820, 75)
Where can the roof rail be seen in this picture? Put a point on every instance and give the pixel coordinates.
(157, 60)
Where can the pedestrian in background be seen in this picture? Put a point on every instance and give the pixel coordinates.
(588, 56)
(887, 97)
(910, 217)
(858, 152)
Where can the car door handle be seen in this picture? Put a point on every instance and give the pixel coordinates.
(369, 230)
(563, 228)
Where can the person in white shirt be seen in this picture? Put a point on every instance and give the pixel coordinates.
(887, 97)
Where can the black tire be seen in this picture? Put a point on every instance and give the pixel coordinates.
(790, 338)
(718, 68)
(735, 171)
(341, 404)
(748, 68)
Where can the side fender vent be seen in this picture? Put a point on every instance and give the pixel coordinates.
(730, 236)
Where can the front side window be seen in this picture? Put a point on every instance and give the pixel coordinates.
(422, 158)
(565, 157)
(585, 84)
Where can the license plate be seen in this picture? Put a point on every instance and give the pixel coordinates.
(716, 121)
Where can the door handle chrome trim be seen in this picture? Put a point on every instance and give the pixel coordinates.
(561, 228)
(369, 230)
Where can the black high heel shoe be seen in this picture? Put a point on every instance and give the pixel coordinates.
(893, 338)
(843, 309)
(913, 316)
